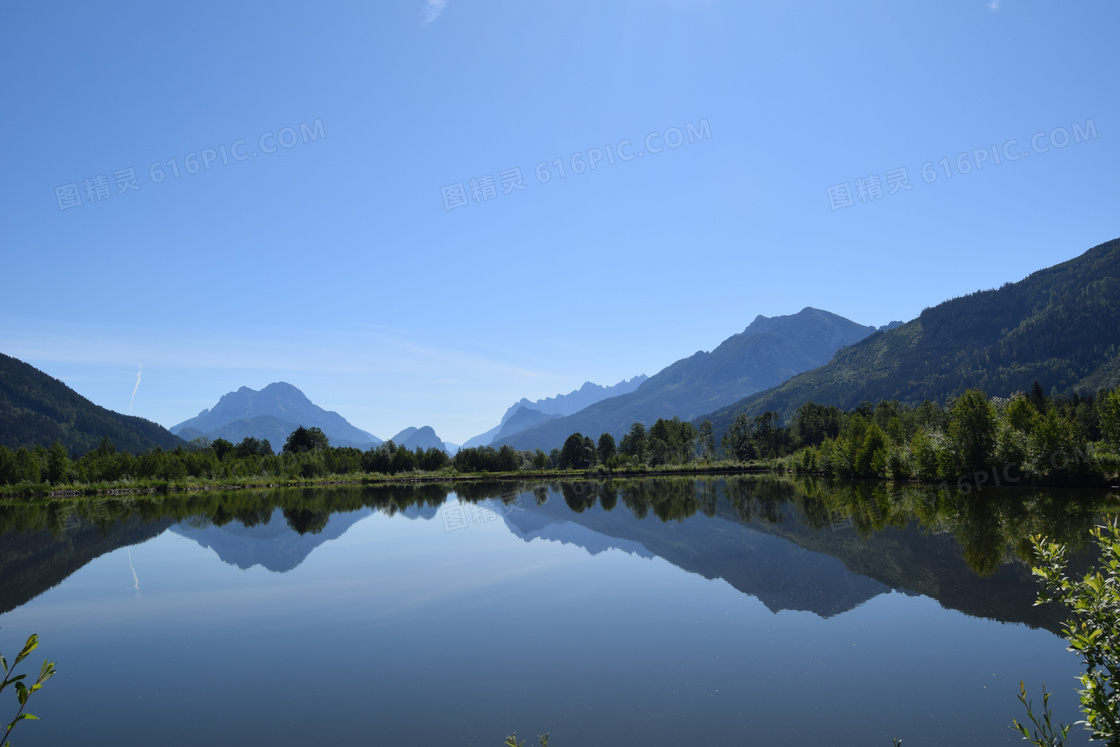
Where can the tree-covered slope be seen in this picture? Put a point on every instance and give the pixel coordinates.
(36, 409)
(767, 352)
(1059, 326)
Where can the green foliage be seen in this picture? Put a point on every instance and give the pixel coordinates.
(706, 441)
(971, 433)
(23, 692)
(304, 439)
(1093, 631)
(977, 441)
(634, 442)
(1110, 418)
(1044, 734)
(606, 448)
(578, 452)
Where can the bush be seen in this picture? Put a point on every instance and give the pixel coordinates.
(1093, 631)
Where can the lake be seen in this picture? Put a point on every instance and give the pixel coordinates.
(661, 611)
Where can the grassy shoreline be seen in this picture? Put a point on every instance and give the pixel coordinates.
(161, 487)
(141, 488)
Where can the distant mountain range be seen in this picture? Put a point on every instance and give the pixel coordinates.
(274, 544)
(1060, 326)
(273, 413)
(36, 409)
(524, 414)
(766, 353)
(423, 438)
(788, 565)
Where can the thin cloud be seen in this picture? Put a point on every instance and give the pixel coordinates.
(993, 5)
(433, 9)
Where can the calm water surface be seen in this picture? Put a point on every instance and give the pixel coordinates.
(667, 612)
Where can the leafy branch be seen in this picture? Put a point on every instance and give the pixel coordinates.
(23, 692)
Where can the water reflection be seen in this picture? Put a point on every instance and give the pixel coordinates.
(801, 544)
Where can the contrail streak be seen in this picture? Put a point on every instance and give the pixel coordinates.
(134, 576)
(134, 390)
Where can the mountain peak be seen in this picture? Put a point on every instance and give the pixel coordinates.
(275, 410)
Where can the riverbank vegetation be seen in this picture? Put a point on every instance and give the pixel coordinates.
(974, 442)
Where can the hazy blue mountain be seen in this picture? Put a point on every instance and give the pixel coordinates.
(522, 418)
(774, 570)
(585, 396)
(273, 413)
(424, 438)
(404, 435)
(1059, 326)
(36, 409)
(768, 550)
(766, 353)
(272, 544)
(561, 404)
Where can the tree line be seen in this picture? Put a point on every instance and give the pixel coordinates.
(975, 439)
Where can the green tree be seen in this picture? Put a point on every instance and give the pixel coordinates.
(605, 448)
(574, 454)
(305, 439)
(221, 448)
(58, 463)
(871, 456)
(706, 441)
(1109, 408)
(634, 442)
(685, 440)
(972, 433)
(814, 423)
(27, 466)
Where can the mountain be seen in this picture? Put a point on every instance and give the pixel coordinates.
(272, 544)
(777, 555)
(36, 409)
(425, 438)
(261, 426)
(774, 570)
(272, 413)
(33, 560)
(1060, 326)
(766, 353)
(522, 418)
(561, 404)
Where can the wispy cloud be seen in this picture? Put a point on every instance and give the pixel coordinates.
(993, 5)
(135, 389)
(433, 9)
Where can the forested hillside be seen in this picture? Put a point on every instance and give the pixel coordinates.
(1059, 326)
(36, 409)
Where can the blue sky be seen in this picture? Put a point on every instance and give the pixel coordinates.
(332, 225)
